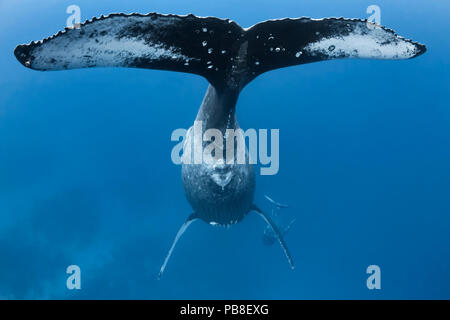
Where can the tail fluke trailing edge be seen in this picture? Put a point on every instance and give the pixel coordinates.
(180, 232)
(227, 55)
(277, 232)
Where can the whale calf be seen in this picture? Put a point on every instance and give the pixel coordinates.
(229, 57)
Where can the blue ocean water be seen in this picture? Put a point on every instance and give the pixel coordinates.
(86, 176)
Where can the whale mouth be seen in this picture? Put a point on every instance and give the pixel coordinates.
(221, 174)
(222, 179)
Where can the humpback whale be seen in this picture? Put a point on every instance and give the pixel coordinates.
(228, 57)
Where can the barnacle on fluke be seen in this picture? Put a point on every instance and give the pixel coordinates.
(229, 57)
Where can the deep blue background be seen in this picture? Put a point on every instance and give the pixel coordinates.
(86, 176)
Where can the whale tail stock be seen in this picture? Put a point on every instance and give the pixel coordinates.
(227, 55)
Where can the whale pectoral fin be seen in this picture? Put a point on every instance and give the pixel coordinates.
(277, 232)
(288, 228)
(180, 232)
(198, 45)
(276, 204)
(281, 43)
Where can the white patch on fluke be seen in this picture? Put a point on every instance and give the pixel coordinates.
(377, 44)
(102, 43)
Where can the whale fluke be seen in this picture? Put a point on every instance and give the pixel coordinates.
(281, 43)
(202, 46)
(180, 232)
(227, 55)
